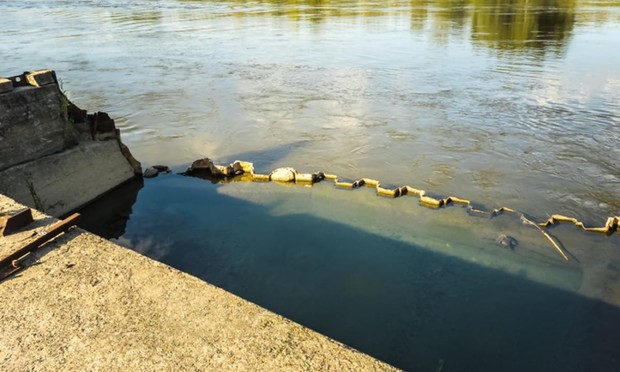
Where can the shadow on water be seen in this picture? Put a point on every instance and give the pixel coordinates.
(396, 301)
(107, 216)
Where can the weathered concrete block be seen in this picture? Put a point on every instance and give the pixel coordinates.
(40, 164)
(65, 181)
(6, 85)
(33, 124)
(41, 78)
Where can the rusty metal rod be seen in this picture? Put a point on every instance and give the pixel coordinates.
(49, 233)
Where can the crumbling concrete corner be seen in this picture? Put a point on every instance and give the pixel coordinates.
(55, 156)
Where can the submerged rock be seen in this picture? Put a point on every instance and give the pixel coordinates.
(506, 241)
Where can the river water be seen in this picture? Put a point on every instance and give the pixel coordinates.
(506, 103)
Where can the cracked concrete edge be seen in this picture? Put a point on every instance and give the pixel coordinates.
(67, 180)
(84, 303)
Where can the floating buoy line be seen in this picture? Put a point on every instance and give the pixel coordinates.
(244, 171)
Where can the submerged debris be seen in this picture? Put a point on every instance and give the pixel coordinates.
(507, 241)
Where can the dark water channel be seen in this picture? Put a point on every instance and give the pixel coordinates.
(504, 102)
(418, 289)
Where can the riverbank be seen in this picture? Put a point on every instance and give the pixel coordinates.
(85, 303)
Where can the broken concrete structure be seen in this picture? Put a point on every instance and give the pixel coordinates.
(53, 155)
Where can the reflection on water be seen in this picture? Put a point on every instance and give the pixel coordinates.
(522, 24)
(500, 24)
(107, 216)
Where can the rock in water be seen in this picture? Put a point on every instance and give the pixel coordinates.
(206, 164)
(241, 167)
(150, 172)
(283, 175)
(162, 168)
(201, 164)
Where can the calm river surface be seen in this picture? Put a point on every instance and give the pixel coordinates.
(504, 102)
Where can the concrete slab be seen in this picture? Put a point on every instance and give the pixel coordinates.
(48, 158)
(63, 182)
(84, 303)
(40, 78)
(33, 124)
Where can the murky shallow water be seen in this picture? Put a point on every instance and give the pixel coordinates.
(511, 103)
